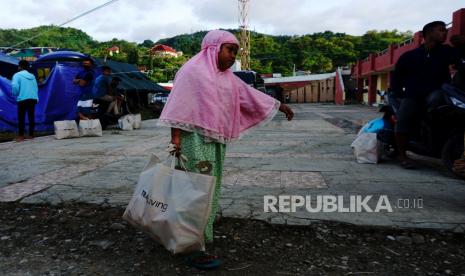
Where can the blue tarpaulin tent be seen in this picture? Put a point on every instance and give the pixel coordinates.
(8, 65)
(7, 106)
(58, 95)
(132, 80)
(57, 99)
(62, 56)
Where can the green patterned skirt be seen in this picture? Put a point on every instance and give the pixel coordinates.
(205, 158)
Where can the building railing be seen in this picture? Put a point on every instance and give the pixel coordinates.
(385, 59)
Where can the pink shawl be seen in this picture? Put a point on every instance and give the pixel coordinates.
(215, 104)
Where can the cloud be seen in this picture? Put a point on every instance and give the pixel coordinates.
(350, 16)
(136, 20)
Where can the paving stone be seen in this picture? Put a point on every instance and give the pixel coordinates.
(309, 156)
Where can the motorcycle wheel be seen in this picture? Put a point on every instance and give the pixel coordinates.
(388, 150)
(451, 151)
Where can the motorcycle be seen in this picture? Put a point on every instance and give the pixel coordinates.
(441, 131)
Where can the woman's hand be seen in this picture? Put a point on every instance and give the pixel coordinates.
(287, 111)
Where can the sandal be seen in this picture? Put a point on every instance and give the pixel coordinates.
(203, 261)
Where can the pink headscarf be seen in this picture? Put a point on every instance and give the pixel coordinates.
(215, 104)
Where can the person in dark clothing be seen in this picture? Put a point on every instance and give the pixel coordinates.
(25, 89)
(114, 86)
(418, 73)
(115, 81)
(103, 92)
(85, 80)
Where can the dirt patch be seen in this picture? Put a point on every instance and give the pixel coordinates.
(93, 240)
(346, 125)
(10, 136)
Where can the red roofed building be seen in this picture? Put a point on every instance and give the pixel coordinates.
(113, 50)
(164, 51)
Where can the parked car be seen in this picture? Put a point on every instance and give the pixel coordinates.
(160, 97)
(157, 102)
(251, 78)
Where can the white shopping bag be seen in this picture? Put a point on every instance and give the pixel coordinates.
(90, 128)
(172, 206)
(367, 148)
(137, 121)
(66, 129)
(126, 122)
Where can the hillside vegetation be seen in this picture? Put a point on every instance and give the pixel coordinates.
(315, 53)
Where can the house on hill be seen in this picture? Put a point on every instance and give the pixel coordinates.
(113, 50)
(164, 51)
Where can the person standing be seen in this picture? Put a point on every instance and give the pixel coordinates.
(85, 78)
(26, 91)
(209, 107)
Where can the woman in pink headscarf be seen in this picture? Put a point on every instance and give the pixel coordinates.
(209, 107)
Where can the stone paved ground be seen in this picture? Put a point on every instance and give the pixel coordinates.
(309, 156)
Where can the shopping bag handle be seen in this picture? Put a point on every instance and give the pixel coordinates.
(182, 158)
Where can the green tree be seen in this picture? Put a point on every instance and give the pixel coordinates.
(147, 43)
(317, 52)
(133, 56)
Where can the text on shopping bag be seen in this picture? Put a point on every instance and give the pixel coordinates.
(155, 203)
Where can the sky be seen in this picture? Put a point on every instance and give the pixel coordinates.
(137, 20)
